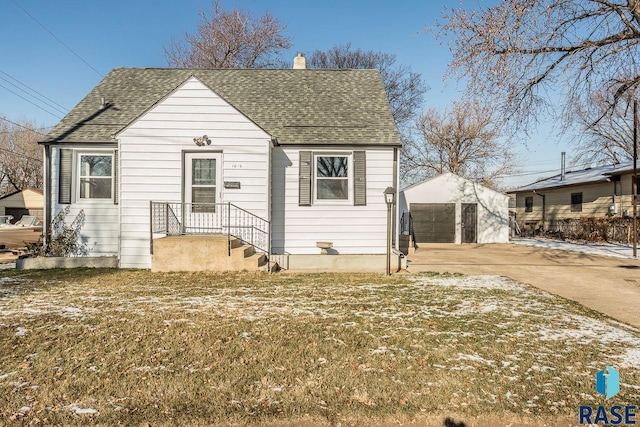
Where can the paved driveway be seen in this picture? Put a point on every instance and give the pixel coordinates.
(609, 285)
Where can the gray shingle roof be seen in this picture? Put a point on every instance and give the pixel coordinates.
(580, 177)
(297, 106)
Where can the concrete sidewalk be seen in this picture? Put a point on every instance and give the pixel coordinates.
(607, 284)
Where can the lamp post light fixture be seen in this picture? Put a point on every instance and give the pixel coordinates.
(389, 198)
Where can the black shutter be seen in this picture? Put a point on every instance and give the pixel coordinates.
(304, 188)
(65, 176)
(359, 178)
(115, 177)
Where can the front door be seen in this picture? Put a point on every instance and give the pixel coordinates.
(203, 193)
(469, 222)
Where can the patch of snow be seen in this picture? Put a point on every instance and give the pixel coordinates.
(474, 358)
(379, 350)
(5, 376)
(13, 280)
(20, 332)
(606, 249)
(82, 411)
(474, 282)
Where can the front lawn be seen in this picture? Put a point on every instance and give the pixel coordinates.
(131, 347)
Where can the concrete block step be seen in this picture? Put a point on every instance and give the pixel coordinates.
(254, 262)
(235, 242)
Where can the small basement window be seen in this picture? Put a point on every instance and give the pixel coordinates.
(528, 204)
(576, 202)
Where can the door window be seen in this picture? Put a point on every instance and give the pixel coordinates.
(203, 185)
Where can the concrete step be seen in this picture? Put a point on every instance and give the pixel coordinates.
(235, 242)
(270, 266)
(254, 262)
(204, 253)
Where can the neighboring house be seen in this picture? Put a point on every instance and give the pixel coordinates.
(25, 202)
(306, 154)
(452, 209)
(592, 192)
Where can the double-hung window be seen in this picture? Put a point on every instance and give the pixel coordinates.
(338, 178)
(332, 175)
(95, 176)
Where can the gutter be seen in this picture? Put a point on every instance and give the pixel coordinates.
(47, 192)
(544, 207)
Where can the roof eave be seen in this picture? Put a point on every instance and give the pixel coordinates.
(555, 187)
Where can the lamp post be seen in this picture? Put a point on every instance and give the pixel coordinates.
(389, 196)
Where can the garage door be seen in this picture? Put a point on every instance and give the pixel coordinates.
(433, 222)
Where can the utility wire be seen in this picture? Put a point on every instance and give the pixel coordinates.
(30, 102)
(50, 102)
(22, 126)
(13, 153)
(528, 173)
(28, 94)
(24, 156)
(58, 39)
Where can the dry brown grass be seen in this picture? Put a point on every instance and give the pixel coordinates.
(131, 347)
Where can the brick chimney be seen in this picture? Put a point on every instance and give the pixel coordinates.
(299, 62)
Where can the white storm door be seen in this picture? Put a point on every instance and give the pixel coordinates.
(203, 193)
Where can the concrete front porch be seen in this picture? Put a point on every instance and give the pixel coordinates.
(204, 253)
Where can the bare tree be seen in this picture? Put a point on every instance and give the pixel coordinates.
(20, 156)
(230, 39)
(405, 89)
(464, 141)
(530, 54)
(608, 140)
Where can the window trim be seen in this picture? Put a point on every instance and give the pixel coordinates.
(528, 208)
(577, 207)
(349, 178)
(78, 178)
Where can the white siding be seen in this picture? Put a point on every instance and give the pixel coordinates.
(352, 229)
(493, 207)
(101, 229)
(151, 160)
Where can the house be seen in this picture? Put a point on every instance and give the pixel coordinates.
(292, 162)
(591, 192)
(452, 209)
(24, 202)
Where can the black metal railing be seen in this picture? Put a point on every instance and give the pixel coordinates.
(175, 219)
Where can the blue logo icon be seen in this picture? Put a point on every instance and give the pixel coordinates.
(608, 382)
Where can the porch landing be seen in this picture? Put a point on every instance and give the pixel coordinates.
(204, 253)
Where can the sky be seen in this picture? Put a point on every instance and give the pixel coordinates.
(61, 49)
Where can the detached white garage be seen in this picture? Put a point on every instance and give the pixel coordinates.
(452, 209)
